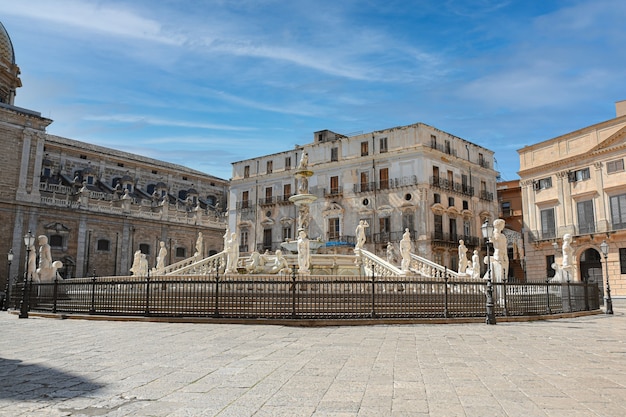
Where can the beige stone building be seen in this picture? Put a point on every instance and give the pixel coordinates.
(576, 184)
(439, 186)
(96, 205)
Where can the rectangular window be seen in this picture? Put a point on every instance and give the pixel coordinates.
(383, 145)
(550, 272)
(245, 196)
(286, 234)
(467, 228)
(453, 232)
(506, 209)
(365, 181)
(384, 225)
(465, 205)
(548, 225)
(436, 173)
(408, 222)
(622, 261)
(334, 185)
(436, 198)
(243, 241)
(578, 175)
(288, 163)
(246, 171)
(614, 166)
(270, 167)
(267, 239)
(333, 228)
(543, 183)
(268, 195)
(286, 191)
(481, 159)
(364, 148)
(433, 141)
(334, 154)
(383, 175)
(450, 201)
(586, 219)
(447, 145)
(618, 211)
(438, 227)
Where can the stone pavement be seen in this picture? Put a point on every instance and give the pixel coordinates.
(567, 367)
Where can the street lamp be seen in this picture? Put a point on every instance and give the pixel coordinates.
(487, 230)
(608, 303)
(7, 290)
(29, 240)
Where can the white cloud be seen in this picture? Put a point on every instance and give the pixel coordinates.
(155, 121)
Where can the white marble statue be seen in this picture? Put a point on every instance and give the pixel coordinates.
(135, 269)
(280, 263)
(500, 259)
(32, 264)
(199, 245)
(304, 257)
(45, 272)
(463, 263)
(304, 162)
(360, 234)
(391, 253)
(568, 251)
(405, 250)
(160, 264)
(475, 265)
(232, 253)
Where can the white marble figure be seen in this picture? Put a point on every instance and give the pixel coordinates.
(475, 265)
(391, 253)
(304, 257)
(500, 258)
(360, 234)
(405, 250)
(304, 162)
(143, 265)
(568, 251)
(32, 264)
(135, 269)
(257, 263)
(232, 254)
(303, 217)
(199, 245)
(280, 263)
(463, 262)
(45, 272)
(160, 264)
(226, 237)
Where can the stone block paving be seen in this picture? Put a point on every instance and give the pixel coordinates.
(571, 367)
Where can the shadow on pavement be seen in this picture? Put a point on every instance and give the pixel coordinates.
(22, 382)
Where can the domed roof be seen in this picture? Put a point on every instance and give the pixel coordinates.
(6, 46)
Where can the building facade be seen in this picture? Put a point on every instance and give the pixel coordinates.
(510, 202)
(576, 184)
(439, 186)
(96, 205)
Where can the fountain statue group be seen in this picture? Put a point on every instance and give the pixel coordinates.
(46, 271)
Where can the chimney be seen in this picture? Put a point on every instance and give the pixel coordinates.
(620, 108)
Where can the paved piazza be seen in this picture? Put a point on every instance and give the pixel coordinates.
(568, 367)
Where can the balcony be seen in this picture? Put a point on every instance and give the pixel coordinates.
(244, 205)
(335, 239)
(486, 195)
(283, 199)
(452, 239)
(447, 185)
(445, 148)
(267, 201)
(333, 192)
(364, 187)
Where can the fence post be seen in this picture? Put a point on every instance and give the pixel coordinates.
(504, 282)
(147, 313)
(92, 309)
(373, 312)
(216, 313)
(55, 292)
(293, 292)
(548, 309)
(445, 292)
(586, 291)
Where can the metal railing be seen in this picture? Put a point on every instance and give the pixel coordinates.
(293, 296)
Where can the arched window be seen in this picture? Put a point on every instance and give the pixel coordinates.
(103, 245)
(150, 188)
(182, 194)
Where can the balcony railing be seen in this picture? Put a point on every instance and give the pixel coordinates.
(267, 201)
(445, 184)
(333, 192)
(486, 195)
(365, 187)
(445, 148)
(283, 199)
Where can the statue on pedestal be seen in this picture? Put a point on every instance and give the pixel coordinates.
(405, 250)
(304, 257)
(462, 257)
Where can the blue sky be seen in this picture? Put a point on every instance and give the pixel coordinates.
(208, 82)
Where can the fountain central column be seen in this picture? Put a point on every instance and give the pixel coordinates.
(303, 200)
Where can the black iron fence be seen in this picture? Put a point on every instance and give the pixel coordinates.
(300, 297)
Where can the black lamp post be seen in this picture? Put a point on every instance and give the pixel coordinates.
(608, 303)
(29, 240)
(487, 230)
(7, 290)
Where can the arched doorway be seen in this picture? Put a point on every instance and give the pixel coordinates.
(591, 268)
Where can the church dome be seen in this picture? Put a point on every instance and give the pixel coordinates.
(6, 46)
